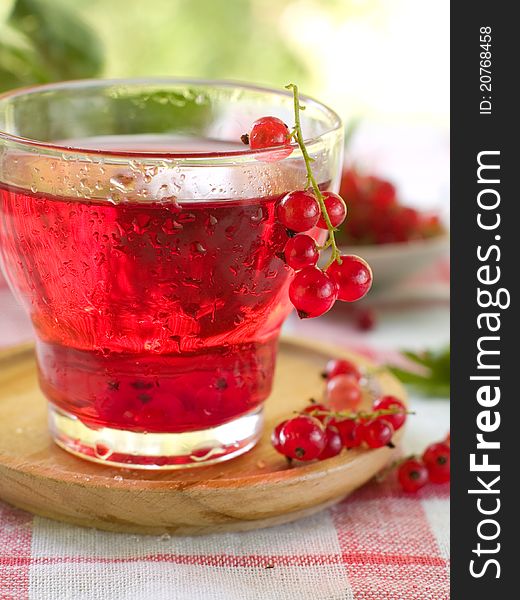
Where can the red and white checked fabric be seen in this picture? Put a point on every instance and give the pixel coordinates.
(379, 544)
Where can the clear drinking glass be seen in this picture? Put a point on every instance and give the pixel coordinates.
(140, 234)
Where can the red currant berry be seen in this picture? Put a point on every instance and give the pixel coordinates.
(366, 320)
(301, 251)
(341, 367)
(275, 436)
(312, 292)
(351, 183)
(298, 211)
(412, 475)
(302, 437)
(333, 443)
(269, 132)
(437, 460)
(377, 433)
(430, 226)
(382, 193)
(448, 439)
(351, 432)
(391, 402)
(314, 408)
(353, 277)
(343, 393)
(336, 209)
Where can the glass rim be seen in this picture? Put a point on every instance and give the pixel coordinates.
(335, 121)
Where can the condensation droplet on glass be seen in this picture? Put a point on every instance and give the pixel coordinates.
(258, 216)
(114, 198)
(186, 218)
(102, 450)
(164, 193)
(238, 319)
(123, 183)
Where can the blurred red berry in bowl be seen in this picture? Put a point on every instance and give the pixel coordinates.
(396, 240)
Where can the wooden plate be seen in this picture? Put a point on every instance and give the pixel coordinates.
(255, 490)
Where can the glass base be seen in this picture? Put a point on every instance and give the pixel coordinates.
(116, 447)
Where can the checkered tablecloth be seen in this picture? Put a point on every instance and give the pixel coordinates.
(379, 544)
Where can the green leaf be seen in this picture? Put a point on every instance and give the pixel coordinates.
(432, 376)
(6, 6)
(19, 63)
(65, 45)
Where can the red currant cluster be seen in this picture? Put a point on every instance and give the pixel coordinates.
(320, 432)
(314, 290)
(376, 215)
(413, 473)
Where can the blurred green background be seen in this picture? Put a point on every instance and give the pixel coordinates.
(383, 63)
(45, 40)
(374, 55)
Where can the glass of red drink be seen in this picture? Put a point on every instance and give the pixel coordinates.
(140, 234)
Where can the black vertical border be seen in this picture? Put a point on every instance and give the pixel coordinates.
(472, 133)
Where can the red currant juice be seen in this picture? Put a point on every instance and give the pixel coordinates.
(150, 317)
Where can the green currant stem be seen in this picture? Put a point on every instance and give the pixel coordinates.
(383, 474)
(350, 415)
(325, 245)
(311, 181)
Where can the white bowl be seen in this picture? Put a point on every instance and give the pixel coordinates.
(391, 263)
